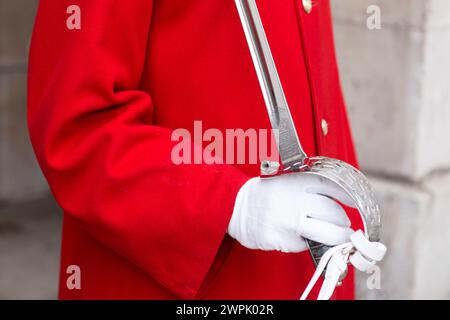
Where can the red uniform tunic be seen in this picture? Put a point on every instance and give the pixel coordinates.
(103, 102)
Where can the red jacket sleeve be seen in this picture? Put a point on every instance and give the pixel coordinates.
(106, 164)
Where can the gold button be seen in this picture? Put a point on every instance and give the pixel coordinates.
(324, 127)
(307, 5)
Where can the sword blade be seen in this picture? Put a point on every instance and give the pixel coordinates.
(289, 147)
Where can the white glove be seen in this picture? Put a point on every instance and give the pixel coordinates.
(278, 213)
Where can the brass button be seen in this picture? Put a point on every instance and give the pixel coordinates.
(324, 127)
(307, 6)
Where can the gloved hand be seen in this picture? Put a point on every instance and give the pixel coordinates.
(278, 213)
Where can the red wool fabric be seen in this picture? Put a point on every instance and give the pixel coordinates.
(103, 103)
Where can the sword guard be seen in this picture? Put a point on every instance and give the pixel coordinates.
(354, 184)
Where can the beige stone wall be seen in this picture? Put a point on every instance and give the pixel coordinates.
(396, 81)
(20, 178)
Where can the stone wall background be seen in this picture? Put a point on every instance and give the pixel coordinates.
(30, 222)
(396, 82)
(20, 178)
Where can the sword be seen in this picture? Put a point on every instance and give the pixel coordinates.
(293, 157)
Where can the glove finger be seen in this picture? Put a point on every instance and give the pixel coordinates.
(328, 210)
(324, 232)
(272, 239)
(320, 185)
(291, 243)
